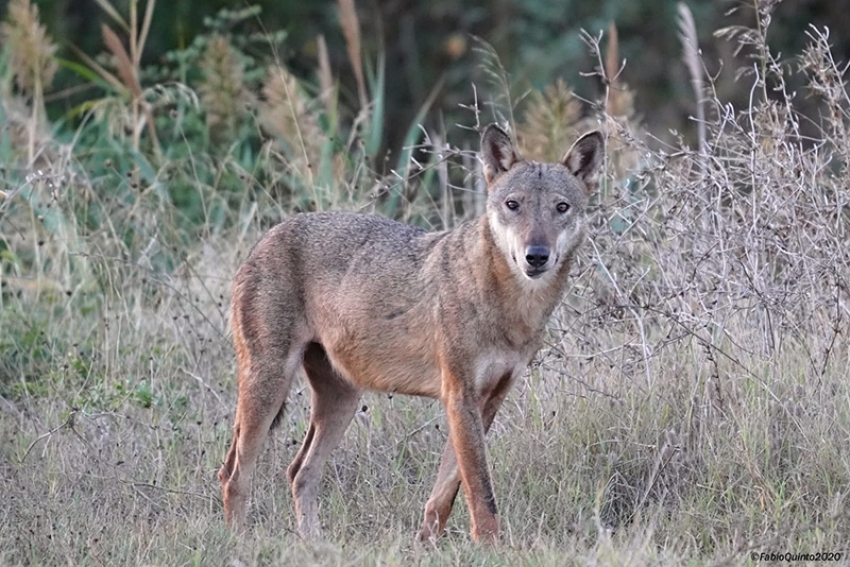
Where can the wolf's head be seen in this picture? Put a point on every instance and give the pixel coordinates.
(536, 210)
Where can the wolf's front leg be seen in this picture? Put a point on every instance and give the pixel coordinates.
(466, 433)
(443, 495)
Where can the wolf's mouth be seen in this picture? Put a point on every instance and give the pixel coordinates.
(535, 273)
(532, 272)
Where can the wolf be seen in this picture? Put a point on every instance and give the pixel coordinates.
(363, 303)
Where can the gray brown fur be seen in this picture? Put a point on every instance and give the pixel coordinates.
(365, 303)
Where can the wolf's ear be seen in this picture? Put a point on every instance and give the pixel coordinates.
(585, 157)
(497, 152)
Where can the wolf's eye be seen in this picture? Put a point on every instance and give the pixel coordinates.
(563, 207)
(512, 205)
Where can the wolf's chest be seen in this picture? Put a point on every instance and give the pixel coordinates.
(492, 366)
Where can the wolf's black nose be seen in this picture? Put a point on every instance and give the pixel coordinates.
(536, 256)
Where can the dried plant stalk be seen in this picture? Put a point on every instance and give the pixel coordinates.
(31, 48)
(222, 91)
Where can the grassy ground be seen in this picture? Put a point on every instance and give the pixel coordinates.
(690, 405)
(601, 468)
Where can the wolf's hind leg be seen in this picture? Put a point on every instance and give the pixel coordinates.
(334, 402)
(264, 385)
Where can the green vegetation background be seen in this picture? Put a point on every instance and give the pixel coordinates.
(425, 42)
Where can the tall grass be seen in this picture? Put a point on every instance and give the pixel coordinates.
(690, 405)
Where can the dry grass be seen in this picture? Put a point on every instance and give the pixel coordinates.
(690, 407)
(32, 61)
(223, 92)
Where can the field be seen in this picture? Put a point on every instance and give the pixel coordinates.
(691, 405)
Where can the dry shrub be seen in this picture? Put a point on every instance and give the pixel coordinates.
(734, 257)
(749, 236)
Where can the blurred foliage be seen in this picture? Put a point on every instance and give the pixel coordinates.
(424, 42)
